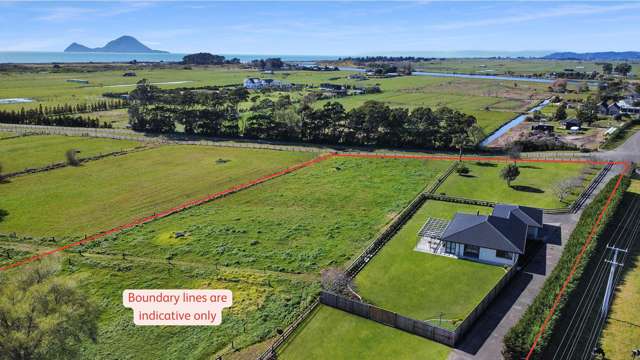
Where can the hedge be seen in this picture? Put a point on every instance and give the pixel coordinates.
(519, 339)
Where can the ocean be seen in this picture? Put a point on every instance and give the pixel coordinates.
(41, 57)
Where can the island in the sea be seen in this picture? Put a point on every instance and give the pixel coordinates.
(123, 44)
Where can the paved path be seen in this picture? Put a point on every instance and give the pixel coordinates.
(484, 340)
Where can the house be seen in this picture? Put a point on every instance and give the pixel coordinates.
(499, 238)
(613, 109)
(626, 107)
(259, 84)
(543, 128)
(572, 123)
(334, 89)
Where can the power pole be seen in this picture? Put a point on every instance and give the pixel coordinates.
(609, 290)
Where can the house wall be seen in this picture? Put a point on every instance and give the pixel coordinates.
(489, 255)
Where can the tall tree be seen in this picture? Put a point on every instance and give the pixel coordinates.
(588, 112)
(623, 69)
(561, 112)
(509, 173)
(607, 68)
(43, 316)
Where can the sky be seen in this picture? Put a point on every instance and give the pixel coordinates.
(337, 28)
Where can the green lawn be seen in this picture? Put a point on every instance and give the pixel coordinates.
(334, 334)
(622, 331)
(103, 194)
(316, 217)
(6, 134)
(534, 186)
(37, 151)
(420, 285)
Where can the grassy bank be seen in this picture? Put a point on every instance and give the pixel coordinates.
(520, 338)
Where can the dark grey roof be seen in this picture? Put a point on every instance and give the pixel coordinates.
(530, 216)
(490, 232)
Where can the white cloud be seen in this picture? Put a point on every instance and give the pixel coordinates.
(563, 11)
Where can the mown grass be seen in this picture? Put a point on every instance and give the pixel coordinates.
(307, 220)
(622, 330)
(37, 151)
(424, 286)
(534, 186)
(102, 194)
(333, 334)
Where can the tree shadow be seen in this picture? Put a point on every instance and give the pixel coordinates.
(529, 189)
(486, 164)
(467, 175)
(3, 214)
(530, 167)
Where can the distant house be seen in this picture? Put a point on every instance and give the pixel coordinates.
(334, 89)
(571, 123)
(626, 107)
(543, 127)
(613, 109)
(499, 238)
(259, 84)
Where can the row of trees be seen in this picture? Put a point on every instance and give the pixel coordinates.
(207, 59)
(216, 113)
(35, 117)
(621, 68)
(65, 109)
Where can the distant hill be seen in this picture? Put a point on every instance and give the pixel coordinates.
(123, 44)
(595, 56)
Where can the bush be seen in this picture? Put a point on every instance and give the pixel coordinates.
(519, 339)
(462, 170)
(72, 157)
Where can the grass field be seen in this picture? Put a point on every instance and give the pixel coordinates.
(491, 102)
(421, 285)
(261, 303)
(510, 66)
(102, 194)
(333, 334)
(622, 330)
(266, 244)
(532, 188)
(41, 150)
(305, 221)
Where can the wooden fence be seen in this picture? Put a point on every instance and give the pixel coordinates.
(468, 322)
(389, 318)
(413, 326)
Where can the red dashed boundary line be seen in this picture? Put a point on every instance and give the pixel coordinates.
(260, 180)
(168, 212)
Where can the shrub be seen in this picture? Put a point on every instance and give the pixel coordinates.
(519, 339)
(72, 157)
(462, 170)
